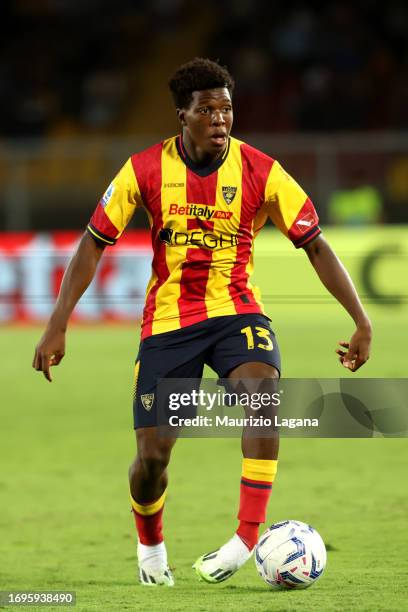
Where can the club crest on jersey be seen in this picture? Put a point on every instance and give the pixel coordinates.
(229, 193)
(147, 400)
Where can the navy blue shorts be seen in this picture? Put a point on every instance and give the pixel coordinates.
(223, 343)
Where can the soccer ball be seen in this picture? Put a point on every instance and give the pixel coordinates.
(290, 555)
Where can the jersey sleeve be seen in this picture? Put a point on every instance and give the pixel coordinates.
(289, 208)
(116, 207)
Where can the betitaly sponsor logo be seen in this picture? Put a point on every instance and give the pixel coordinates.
(200, 211)
(229, 193)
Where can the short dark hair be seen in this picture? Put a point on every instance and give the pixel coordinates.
(197, 75)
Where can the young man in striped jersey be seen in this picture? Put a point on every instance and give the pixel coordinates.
(206, 195)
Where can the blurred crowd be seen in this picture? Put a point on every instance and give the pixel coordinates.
(304, 66)
(313, 66)
(68, 62)
(74, 69)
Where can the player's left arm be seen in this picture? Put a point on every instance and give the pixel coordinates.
(336, 279)
(294, 215)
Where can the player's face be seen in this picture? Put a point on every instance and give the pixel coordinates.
(207, 122)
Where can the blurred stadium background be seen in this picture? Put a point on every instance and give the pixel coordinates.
(83, 84)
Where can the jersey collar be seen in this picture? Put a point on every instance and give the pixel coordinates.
(194, 166)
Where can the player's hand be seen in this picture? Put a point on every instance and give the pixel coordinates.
(357, 350)
(49, 352)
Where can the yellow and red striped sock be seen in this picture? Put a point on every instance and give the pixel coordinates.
(149, 520)
(256, 487)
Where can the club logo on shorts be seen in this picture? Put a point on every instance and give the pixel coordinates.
(229, 193)
(147, 400)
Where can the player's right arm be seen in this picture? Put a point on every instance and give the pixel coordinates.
(108, 222)
(51, 348)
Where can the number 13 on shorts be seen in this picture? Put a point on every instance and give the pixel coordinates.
(260, 332)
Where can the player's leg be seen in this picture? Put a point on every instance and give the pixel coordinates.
(148, 484)
(176, 355)
(259, 465)
(260, 450)
(148, 472)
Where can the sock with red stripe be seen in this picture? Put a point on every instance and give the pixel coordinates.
(149, 520)
(256, 487)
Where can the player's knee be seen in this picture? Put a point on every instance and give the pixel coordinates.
(149, 466)
(153, 455)
(254, 370)
(255, 378)
(153, 464)
(267, 372)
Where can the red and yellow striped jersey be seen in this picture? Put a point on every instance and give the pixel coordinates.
(203, 224)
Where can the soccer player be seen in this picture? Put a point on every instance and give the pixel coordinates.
(206, 195)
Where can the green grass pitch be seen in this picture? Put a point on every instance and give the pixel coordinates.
(65, 448)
